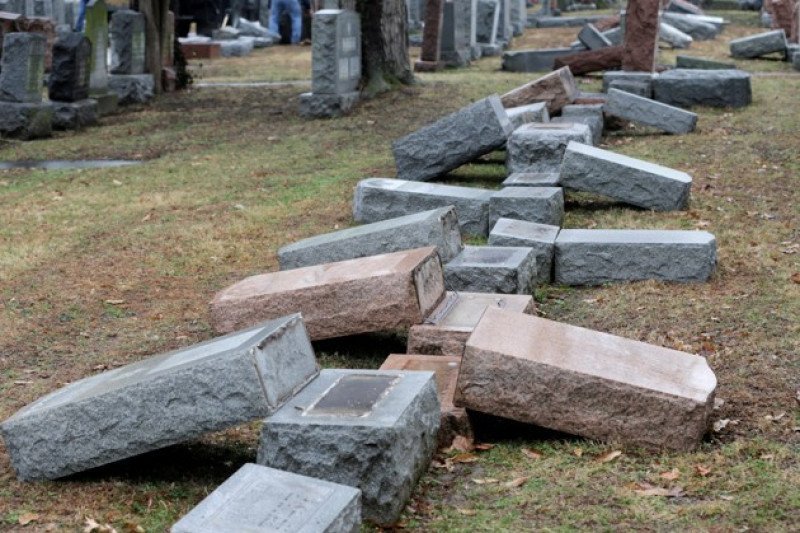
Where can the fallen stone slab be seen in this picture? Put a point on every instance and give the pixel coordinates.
(592, 38)
(615, 36)
(587, 98)
(697, 29)
(540, 237)
(591, 115)
(624, 178)
(540, 147)
(132, 88)
(452, 141)
(556, 89)
(494, 269)
(759, 45)
(561, 22)
(585, 382)
(446, 329)
(594, 257)
(374, 430)
(637, 87)
(621, 75)
(386, 292)
(591, 61)
(673, 36)
(532, 179)
(236, 48)
(714, 88)
(532, 60)
(682, 6)
(261, 499)
(438, 227)
(528, 113)
(544, 205)
(382, 198)
(454, 420)
(650, 112)
(161, 401)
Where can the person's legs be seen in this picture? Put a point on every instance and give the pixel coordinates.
(81, 16)
(297, 20)
(275, 16)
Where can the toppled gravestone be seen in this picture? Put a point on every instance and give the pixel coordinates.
(540, 237)
(452, 141)
(556, 89)
(585, 382)
(382, 198)
(540, 147)
(438, 227)
(375, 430)
(673, 36)
(624, 178)
(526, 114)
(592, 38)
(493, 269)
(759, 45)
(447, 328)
(385, 292)
(259, 499)
(690, 62)
(620, 75)
(589, 114)
(649, 112)
(161, 401)
(454, 420)
(537, 60)
(532, 179)
(594, 257)
(693, 26)
(544, 205)
(715, 88)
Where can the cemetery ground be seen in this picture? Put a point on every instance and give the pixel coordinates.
(99, 268)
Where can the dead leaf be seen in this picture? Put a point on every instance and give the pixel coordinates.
(608, 457)
(132, 527)
(531, 454)
(116, 182)
(485, 481)
(701, 470)
(719, 425)
(646, 489)
(147, 217)
(795, 277)
(26, 518)
(23, 382)
(516, 482)
(464, 458)
(467, 512)
(672, 475)
(577, 452)
(461, 444)
(484, 446)
(92, 526)
(114, 302)
(777, 417)
(726, 497)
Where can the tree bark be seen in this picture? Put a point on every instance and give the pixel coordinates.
(384, 45)
(591, 61)
(156, 16)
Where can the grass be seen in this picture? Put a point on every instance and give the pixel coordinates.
(99, 268)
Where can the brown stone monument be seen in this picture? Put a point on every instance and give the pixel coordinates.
(430, 57)
(641, 36)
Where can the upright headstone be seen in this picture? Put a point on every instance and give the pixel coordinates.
(454, 38)
(336, 64)
(504, 32)
(97, 31)
(127, 42)
(641, 35)
(68, 86)
(22, 113)
(430, 56)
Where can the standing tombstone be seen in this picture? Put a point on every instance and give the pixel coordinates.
(97, 31)
(475, 49)
(22, 113)
(504, 32)
(59, 12)
(454, 38)
(430, 56)
(68, 86)
(641, 35)
(336, 64)
(127, 42)
(487, 19)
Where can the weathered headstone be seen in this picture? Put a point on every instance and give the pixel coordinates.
(68, 86)
(532, 179)
(585, 382)
(702, 63)
(544, 205)
(371, 429)
(493, 269)
(589, 114)
(594, 257)
(447, 328)
(97, 32)
(259, 499)
(487, 19)
(624, 178)
(540, 147)
(616, 75)
(161, 401)
(504, 29)
(438, 228)
(537, 60)
(381, 198)
(592, 38)
(540, 237)
(692, 87)
(455, 33)
(22, 113)
(759, 45)
(673, 36)
(127, 42)
(452, 141)
(430, 56)
(526, 114)
(695, 27)
(385, 292)
(641, 35)
(556, 89)
(636, 87)
(649, 112)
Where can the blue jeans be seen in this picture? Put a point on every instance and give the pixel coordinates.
(293, 7)
(81, 16)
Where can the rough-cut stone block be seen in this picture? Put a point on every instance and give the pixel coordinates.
(26, 120)
(624, 178)
(381, 198)
(673, 36)
(74, 115)
(650, 112)
(454, 420)
(591, 38)
(532, 60)
(556, 89)
(532, 179)
(589, 114)
(715, 88)
(161, 401)
(69, 77)
(447, 328)
(438, 228)
(585, 382)
(528, 113)
(540, 147)
(495, 269)
(132, 88)
(593, 257)
(313, 105)
(540, 237)
(759, 45)
(544, 205)
(259, 499)
(379, 293)
(375, 430)
(452, 141)
(616, 75)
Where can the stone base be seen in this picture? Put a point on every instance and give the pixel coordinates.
(476, 51)
(327, 105)
(456, 58)
(693, 87)
(428, 66)
(74, 115)
(490, 50)
(494, 269)
(107, 102)
(25, 121)
(132, 88)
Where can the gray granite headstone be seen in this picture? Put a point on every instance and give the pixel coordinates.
(371, 429)
(69, 77)
(533, 60)
(540, 147)
(259, 499)
(161, 401)
(487, 19)
(97, 32)
(540, 237)
(692, 87)
(494, 269)
(455, 49)
(127, 42)
(544, 205)
(336, 52)
(649, 112)
(759, 45)
(22, 67)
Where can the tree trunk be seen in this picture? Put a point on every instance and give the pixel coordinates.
(384, 45)
(156, 15)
